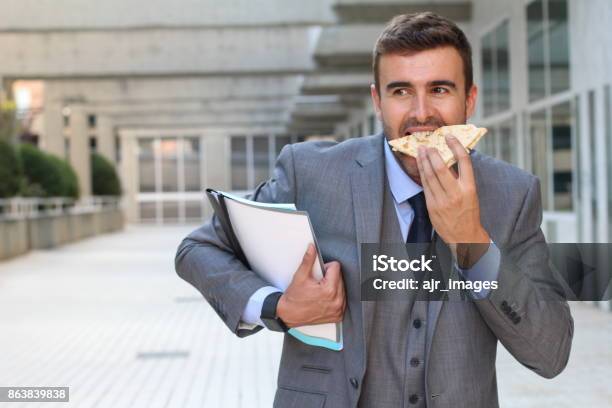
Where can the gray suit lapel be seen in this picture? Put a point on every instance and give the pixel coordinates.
(367, 185)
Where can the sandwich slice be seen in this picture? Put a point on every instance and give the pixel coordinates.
(468, 136)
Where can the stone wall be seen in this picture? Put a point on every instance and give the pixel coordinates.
(49, 231)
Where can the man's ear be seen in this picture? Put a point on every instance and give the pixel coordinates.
(470, 101)
(375, 100)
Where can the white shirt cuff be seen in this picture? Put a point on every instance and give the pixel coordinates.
(251, 316)
(485, 269)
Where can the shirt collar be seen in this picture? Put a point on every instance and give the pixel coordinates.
(401, 185)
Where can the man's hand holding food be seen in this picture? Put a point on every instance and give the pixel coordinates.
(452, 202)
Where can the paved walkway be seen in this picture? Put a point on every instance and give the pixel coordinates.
(109, 318)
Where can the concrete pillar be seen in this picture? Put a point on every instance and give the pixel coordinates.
(128, 174)
(106, 137)
(52, 141)
(80, 158)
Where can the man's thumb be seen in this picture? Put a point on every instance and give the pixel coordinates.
(308, 261)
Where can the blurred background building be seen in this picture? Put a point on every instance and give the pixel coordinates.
(185, 95)
(177, 96)
(205, 93)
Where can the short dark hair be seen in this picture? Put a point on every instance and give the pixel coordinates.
(415, 32)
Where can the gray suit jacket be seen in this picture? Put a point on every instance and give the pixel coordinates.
(341, 187)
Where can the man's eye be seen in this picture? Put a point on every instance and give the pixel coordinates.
(400, 92)
(440, 90)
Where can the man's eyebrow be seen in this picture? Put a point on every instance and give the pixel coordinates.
(405, 84)
(398, 84)
(443, 82)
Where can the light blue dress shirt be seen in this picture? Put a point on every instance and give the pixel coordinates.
(402, 188)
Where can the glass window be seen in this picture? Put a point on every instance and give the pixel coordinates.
(372, 124)
(502, 65)
(146, 166)
(261, 159)
(170, 211)
(562, 156)
(488, 142)
(147, 211)
(488, 74)
(193, 211)
(191, 151)
(169, 163)
(239, 163)
(608, 125)
(495, 70)
(539, 139)
(548, 47)
(558, 39)
(535, 49)
(508, 148)
(281, 141)
(593, 162)
(93, 144)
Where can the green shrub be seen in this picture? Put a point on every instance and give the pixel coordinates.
(10, 171)
(70, 181)
(47, 174)
(104, 179)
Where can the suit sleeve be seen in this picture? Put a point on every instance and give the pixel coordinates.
(528, 312)
(205, 259)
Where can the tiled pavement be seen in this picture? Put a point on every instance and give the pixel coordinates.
(109, 318)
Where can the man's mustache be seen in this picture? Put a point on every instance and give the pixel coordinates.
(433, 122)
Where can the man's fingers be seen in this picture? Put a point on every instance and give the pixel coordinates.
(443, 174)
(332, 273)
(462, 157)
(428, 176)
(429, 198)
(308, 260)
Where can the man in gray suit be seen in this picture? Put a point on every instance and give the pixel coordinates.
(406, 353)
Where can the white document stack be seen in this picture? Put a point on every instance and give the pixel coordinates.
(272, 240)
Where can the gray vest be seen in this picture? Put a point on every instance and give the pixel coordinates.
(395, 373)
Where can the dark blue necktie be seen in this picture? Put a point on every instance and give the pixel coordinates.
(420, 229)
(420, 232)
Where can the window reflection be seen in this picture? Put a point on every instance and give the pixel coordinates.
(239, 163)
(191, 160)
(562, 156)
(548, 47)
(281, 141)
(539, 152)
(508, 142)
(558, 45)
(503, 67)
(535, 49)
(169, 164)
(146, 166)
(488, 80)
(261, 159)
(488, 142)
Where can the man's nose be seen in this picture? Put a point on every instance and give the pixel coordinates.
(422, 109)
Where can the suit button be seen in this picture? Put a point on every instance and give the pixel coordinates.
(413, 399)
(513, 314)
(416, 323)
(354, 382)
(505, 307)
(414, 362)
(516, 320)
